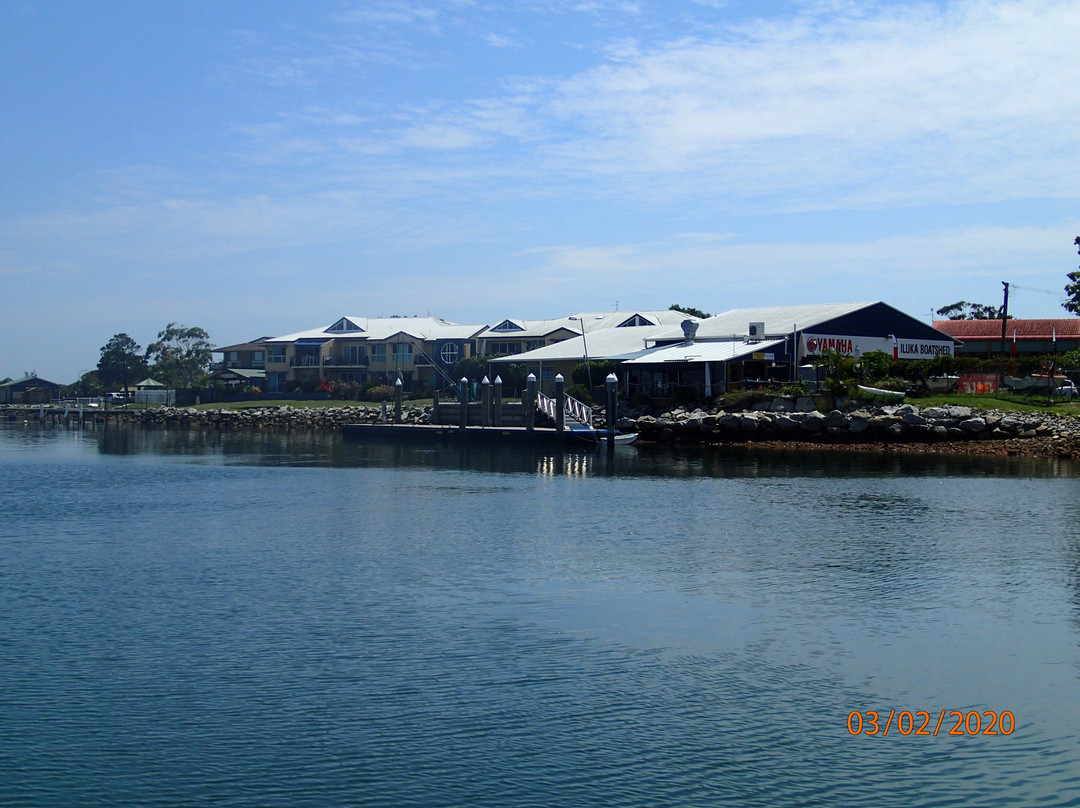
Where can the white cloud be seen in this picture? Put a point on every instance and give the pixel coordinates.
(916, 104)
(900, 97)
(502, 41)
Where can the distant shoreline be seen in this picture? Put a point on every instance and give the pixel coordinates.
(1045, 435)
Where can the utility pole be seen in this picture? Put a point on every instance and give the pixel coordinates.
(1004, 317)
(1004, 325)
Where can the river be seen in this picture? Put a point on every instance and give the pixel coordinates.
(250, 619)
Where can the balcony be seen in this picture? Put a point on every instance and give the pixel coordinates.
(346, 361)
(304, 362)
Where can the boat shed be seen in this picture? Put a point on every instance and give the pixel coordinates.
(30, 389)
(751, 347)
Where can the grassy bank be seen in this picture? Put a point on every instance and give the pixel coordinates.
(1000, 401)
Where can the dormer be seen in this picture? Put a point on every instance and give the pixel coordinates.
(507, 326)
(636, 320)
(344, 326)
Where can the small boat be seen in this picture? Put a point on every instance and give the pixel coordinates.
(621, 438)
(599, 437)
(878, 391)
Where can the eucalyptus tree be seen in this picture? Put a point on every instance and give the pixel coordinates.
(122, 362)
(180, 355)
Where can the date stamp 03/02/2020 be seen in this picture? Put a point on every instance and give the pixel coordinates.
(921, 722)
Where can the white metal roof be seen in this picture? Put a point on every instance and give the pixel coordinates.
(607, 343)
(778, 320)
(591, 320)
(716, 351)
(383, 328)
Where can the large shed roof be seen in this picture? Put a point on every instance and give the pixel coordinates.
(778, 320)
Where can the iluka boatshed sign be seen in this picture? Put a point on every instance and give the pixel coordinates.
(900, 348)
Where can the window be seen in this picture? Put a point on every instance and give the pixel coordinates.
(378, 352)
(449, 353)
(504, 348)
(508, 325)
(355, 355)
(258, 359)
(402, 352)
(277, 354)
(275, 382)
(549, 374)
(344, 324)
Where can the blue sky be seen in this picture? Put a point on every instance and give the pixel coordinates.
(263, 168)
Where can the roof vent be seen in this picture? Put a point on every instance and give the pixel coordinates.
(689, 329)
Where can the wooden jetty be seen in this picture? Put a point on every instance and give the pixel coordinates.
(490, 420)
(539, 436)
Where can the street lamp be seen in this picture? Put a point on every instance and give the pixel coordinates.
(585, 347)
(80, 384)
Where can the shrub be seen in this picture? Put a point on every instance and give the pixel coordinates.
(796, 390)
(600, 370)
(380, 392)
(875, 365)
(580, 392)
(735, 400)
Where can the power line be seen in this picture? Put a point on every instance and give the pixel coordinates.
(1061, 296)
(1033, 289)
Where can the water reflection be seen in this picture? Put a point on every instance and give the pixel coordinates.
(329, 449)
(204, 617)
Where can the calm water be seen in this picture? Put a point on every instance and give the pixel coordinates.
(268, 620)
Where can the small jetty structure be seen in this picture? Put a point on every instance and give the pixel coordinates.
(538, 420)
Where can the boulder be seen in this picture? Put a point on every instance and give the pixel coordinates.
(973, 426)
(858, 424)
(835, 419)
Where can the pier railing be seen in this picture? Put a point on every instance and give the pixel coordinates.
(577, 410)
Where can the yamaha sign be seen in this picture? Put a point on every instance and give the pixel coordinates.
(900, 348)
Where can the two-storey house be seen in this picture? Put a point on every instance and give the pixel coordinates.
(420, 351)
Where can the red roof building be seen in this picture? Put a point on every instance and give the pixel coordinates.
(1022, 337)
